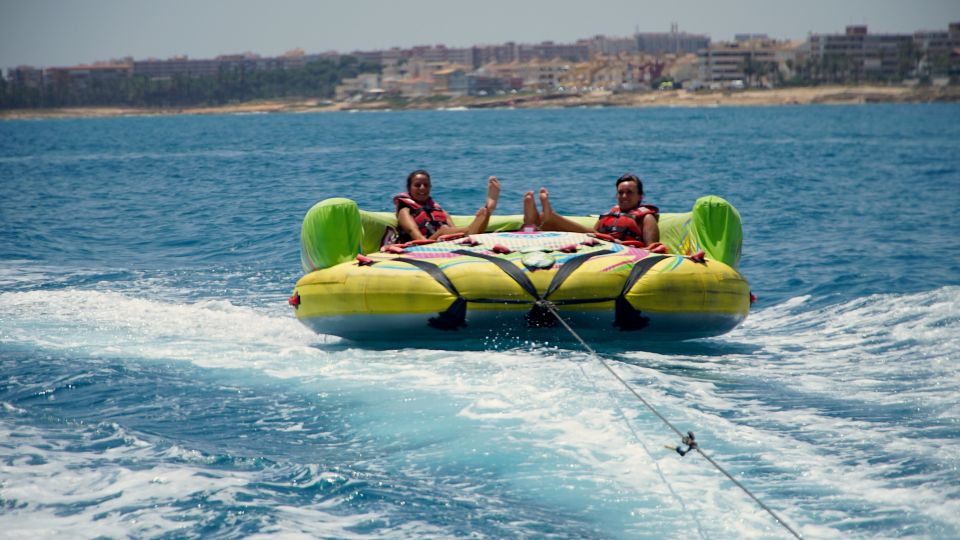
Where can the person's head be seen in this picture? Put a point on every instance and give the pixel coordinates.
(418, 184)
(629, 191)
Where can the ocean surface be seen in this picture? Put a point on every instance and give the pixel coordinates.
(155, 383)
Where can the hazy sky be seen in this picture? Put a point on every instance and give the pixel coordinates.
(46, 33)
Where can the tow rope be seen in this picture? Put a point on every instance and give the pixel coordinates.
(688, 440)
(626, 318)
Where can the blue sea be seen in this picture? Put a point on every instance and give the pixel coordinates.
(154, 383)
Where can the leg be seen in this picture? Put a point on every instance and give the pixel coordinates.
(530, 214)
(493, 195)
(545, 204)
(479, 223)
(555, 222)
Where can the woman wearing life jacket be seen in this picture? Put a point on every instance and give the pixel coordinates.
(628, 220)
(420, 217)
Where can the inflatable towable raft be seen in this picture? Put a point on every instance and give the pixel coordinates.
(508, 283)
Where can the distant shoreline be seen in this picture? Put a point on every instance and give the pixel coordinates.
(673, 98)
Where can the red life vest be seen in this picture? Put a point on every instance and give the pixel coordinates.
(428, 216)
(626, 225)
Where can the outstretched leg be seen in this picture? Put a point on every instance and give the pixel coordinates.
(545, 204)
(493, 194)
(480, 222)
(482, 217)
(530, 214)
(551, 221)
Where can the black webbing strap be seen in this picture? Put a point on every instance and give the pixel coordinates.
(508, 268)
(456, 315)
(639, 270)
(434, 271)
(626, 317)
(569, 267)
(539, 315)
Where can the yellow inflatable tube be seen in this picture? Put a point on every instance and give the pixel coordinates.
(509, 282)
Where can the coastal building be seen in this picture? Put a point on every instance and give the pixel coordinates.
(608, 46)
(514, 52)
(442, 53)
(579, 77)
(762, 62)
(508, 70)
(625, 72)
(671, 42)
(420, 68)
(614, 75)
(83, 76)
(857, 55)
(549, 50)
(26, 77)
(179, 65)
(406, 88)
(683, 69)
(494, 54)
(482, 84)
(938, 52)
(451, 81)
(544, 75)
(536, 75)
(377, 56)
(600, 62)
(365, 84)
(739, 38)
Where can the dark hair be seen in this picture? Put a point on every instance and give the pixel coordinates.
(417, 172)
(631, 178)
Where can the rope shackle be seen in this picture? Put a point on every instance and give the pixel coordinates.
(690, 441)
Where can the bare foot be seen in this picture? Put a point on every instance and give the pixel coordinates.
(545, 204)
(493, 193)
(530, 214)
(480, 220)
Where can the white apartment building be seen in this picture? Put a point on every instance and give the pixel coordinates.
(752, 62)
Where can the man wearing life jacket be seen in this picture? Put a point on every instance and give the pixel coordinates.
(420, 217)
(628, 220)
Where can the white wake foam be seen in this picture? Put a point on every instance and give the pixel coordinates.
(825, 367)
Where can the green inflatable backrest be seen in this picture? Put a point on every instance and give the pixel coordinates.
(717, 229)
(336, 230)
(330, 234)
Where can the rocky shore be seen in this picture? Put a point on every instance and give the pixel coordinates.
(672, 98)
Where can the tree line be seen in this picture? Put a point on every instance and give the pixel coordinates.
(317, 79)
